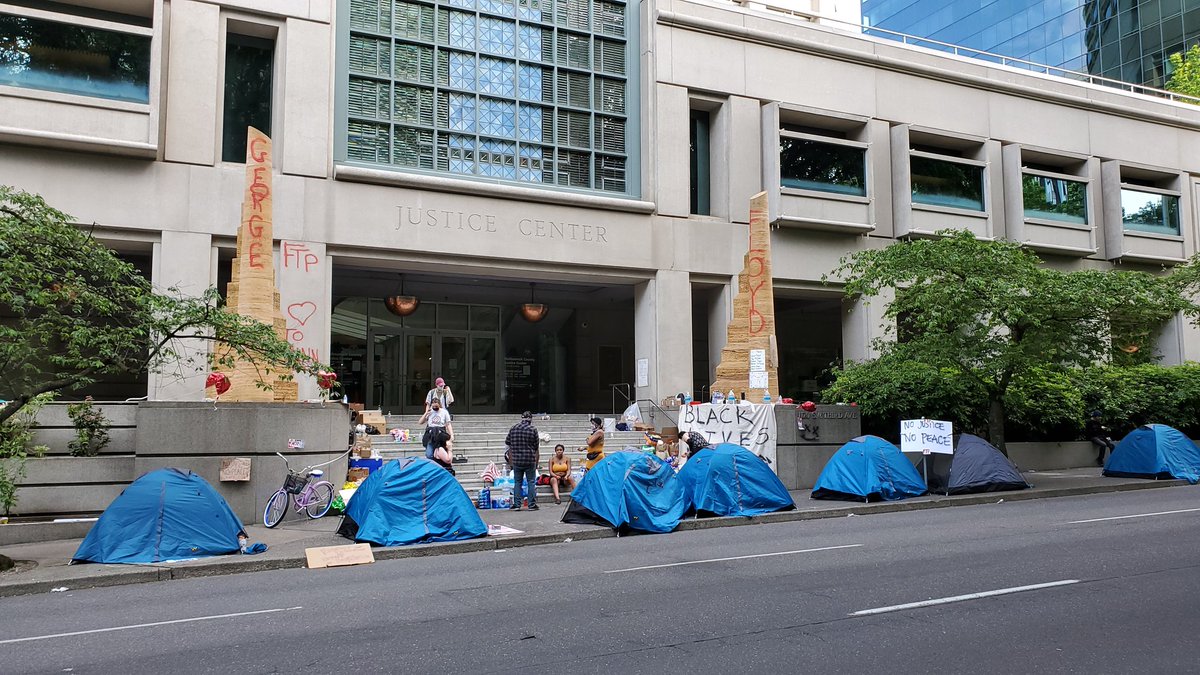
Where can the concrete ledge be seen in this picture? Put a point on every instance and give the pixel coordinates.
(32, 533)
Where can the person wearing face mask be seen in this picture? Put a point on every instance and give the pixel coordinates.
(442, 393)
(595, 444)
(438, 432)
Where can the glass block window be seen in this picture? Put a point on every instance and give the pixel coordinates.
(527, 91)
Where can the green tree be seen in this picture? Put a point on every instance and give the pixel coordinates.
(71, 312)
(1185, 75)
(990, 313)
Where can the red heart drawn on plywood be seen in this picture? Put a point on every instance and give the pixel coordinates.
(302, 311)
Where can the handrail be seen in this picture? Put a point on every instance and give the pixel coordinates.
(625, 390)
(780, 7)
(654, 406)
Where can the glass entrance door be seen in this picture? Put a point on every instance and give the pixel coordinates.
(483, 391)
(418, 371)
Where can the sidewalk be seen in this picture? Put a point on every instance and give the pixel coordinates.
(43, 566)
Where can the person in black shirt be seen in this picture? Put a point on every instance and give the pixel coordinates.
(522, 442)
(1098, 434)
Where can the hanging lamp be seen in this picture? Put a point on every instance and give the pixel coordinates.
(531, 311)
(401, 304)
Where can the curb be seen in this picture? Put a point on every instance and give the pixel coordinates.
(144, 574)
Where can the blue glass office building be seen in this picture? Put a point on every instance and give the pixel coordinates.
(1121, 39)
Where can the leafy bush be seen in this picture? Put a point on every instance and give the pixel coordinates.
(16, 438)
(91, 429)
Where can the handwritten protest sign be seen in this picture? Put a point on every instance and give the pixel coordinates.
(927, 436)
(750, 426)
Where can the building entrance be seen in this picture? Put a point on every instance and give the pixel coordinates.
(405, 362)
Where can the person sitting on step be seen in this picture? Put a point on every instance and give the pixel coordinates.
(560, 471)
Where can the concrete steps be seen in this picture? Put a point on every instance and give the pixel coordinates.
(480, 438)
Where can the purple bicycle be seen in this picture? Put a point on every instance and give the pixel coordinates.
(305, 489)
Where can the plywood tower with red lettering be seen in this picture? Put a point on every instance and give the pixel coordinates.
(752, 329)
(252, 291)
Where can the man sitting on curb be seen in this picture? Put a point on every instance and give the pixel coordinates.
(522, 442)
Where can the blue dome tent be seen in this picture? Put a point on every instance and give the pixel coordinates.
(167, 514)
(1155, 451)
(729, 480)
(975, 466)
(410, 501)
(628, 491)
(870, 469)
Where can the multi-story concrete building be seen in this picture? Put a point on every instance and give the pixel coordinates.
(1127, 40)
(594, 156)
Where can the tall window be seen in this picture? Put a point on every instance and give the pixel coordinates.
(75, 59)
(532, 91)
(249, 64)
(701, 174)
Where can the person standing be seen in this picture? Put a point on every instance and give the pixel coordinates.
(522, 441)
(595, 444)
(1098, 434)
(438, 432)
(440, 392)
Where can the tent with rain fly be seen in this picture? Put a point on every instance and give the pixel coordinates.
(1155, 451)
(729, 480)
(628, 491)
(410, 501)
(975, 466)
(167, 514)
(868, 468)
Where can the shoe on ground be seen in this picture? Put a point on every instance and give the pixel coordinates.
(533, 507)
(557, 500)
(514, 508)
(1099, 462)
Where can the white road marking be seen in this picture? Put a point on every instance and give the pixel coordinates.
(961, 598)
(147, 625)
(1137, 515)
(736, 557)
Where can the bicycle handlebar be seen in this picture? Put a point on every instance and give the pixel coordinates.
(314, 466)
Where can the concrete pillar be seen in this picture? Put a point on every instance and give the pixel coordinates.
(862, 322)
(185, 264)
(193, 89)
(673, 147)
(993, 188)
(662, 312)
(745, 170)
(305, 301)
(306, 110)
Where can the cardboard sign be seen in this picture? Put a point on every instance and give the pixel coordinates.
(235, 469)
(927, 436)
(339, 556)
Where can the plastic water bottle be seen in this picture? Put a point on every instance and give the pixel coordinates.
(766, 396)
(730, 398)
(718, 398)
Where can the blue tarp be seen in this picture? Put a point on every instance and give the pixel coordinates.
(729, 480)
(410, 501)
(975, 466)
(629, 491)
(1155, 451)
(166, 514)
(868, 468)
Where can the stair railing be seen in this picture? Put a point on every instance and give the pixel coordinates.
(625, 391)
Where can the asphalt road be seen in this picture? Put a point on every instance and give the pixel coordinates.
(1110, 596)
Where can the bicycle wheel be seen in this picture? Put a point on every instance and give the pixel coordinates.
(276, 509)
(320, 498)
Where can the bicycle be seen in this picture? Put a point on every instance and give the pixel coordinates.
(313, 498)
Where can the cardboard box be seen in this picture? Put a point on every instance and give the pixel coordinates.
(374, 418)
(670, 433)
(355, 475)
(337, 556)
(638, 426)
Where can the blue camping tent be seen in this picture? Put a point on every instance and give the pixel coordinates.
(975, 466)
(729, 480)
(166, 514)
(628, 491)
(868, 468)
(409, 501)
(1155, 451)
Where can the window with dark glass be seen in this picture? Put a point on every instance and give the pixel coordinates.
(941, 182)
(73, 59)
(809, 164)
(249, 66)
(1149, 212)
(701, 175)
(1051, 198)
